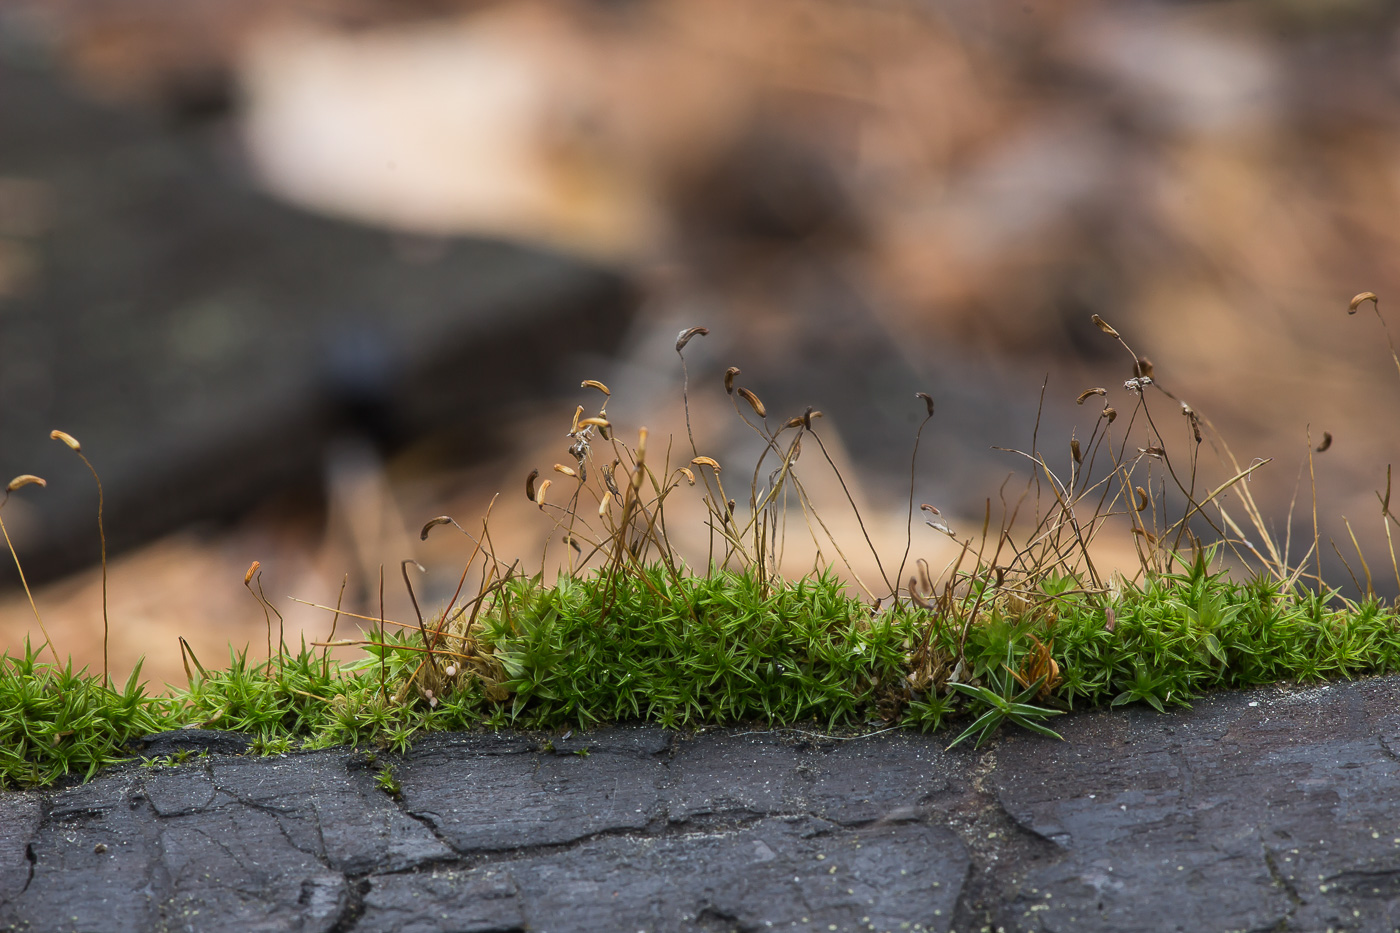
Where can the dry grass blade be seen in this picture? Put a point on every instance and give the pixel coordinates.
(378, 620)
(1276, 559)
(1229, 483)
(1386, 519)
(1065, 500)
(1365, 569)
(982, 593)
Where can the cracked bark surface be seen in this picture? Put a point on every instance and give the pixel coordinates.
(1266, 810)
(1259, 811)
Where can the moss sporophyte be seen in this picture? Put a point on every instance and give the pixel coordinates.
(1020, 627)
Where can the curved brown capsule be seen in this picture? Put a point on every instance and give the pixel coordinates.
(594, 384)
(807, 417)
(706, 461)
(530, 484)
(67, 438)
(684, 337)
(1096, 390)
(601, 424)
(1326, 441)
(928, 401)
(1109, 413)
(690, 477)
(24, 479)
(433, 523)
(1142, 497)
(1142, 368)
(539, 493)
(1103, 325)
(936, 523)
(567, 471)
(252, 569)
(1360, 299)
(729, 375)
(1195, 420)
(753, 401)
(1074, 450)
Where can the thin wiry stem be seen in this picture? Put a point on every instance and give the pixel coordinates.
(909, 520)
(25, 583)
(859, 520)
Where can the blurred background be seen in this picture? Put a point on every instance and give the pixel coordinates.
(302, 275)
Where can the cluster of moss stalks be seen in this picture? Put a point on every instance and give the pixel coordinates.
(1030, 631)
(687, 651)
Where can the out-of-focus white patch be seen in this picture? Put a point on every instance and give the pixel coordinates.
(1180, 73)
(478, 125)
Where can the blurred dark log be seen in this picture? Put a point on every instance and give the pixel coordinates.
(205, 343)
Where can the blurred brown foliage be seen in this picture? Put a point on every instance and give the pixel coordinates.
(944, 191)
